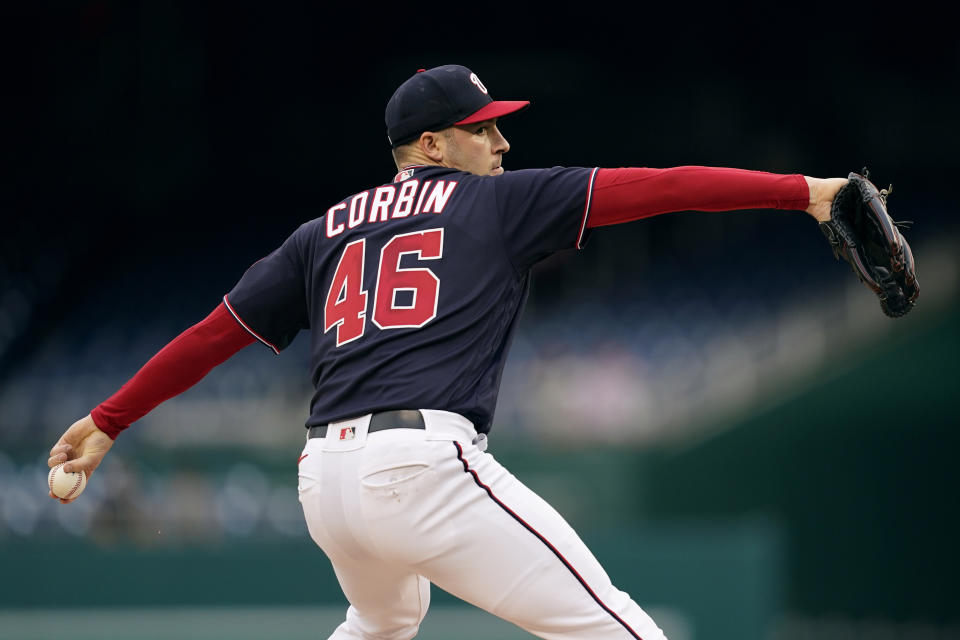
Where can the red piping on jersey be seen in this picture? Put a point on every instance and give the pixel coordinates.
(586, 208)
(173, 370)
(526, 525)
(249, 330)
(622, 195)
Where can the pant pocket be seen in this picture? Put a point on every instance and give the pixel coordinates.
(393, 476)
(307, 483)
(308, 471)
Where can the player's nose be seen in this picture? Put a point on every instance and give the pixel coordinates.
(500, 144)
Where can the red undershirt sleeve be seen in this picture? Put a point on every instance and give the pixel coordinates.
(622, 195)
(173, 370)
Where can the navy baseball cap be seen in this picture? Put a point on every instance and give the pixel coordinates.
(438, 98)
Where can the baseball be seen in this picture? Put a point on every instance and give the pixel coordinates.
(65, 484)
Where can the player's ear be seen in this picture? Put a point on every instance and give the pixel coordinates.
(431, 143)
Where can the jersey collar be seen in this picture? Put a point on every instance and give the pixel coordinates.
(407, 172)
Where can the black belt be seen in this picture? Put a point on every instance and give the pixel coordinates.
(400, 419)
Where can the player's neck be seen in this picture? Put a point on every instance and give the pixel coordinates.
(415, 158)
(411, 164)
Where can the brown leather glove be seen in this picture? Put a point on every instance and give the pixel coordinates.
(862, 232)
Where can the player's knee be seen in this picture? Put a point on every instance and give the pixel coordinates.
(401, 623)
(358, 630)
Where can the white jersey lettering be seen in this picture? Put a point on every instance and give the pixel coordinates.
(331, 229)
(423, 192)
(358, 209)
(382, 198)
(439, 196)
(404, 204)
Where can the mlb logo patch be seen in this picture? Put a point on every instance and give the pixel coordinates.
(347, 433)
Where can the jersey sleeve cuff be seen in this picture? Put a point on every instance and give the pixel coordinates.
(106, 425)
(584, 232)
(247, 328)
(802, 197)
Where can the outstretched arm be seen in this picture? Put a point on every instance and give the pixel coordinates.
(622, 195)
(173, 370)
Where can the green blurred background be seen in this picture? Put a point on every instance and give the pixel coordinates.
(749, 447)
(815, 504)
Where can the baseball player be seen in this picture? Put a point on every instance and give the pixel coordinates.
(411, 291)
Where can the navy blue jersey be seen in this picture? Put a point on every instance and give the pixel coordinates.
(412, 290)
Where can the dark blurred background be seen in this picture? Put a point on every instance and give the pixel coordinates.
(719, 408)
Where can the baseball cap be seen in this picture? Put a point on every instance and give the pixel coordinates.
(434, 99)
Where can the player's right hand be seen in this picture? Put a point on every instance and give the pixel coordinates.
(81, 447)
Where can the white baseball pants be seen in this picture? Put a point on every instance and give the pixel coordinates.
(398, 509)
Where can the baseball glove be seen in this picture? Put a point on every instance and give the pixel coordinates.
(862, 232)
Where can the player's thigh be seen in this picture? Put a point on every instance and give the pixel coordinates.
(519, 559)
(385, 602)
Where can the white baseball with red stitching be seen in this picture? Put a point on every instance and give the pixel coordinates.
(65, 484)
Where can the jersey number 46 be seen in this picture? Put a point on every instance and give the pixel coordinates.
(346, 303)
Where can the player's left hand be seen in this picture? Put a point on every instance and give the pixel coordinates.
(861, 232)
(81, 447)
(822, 193)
